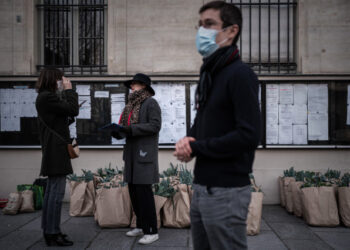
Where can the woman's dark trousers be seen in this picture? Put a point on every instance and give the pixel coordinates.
(142, 200)
(51, 217)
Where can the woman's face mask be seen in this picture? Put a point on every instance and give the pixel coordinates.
(206, 41)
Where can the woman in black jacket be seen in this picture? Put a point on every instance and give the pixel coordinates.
(56, 105)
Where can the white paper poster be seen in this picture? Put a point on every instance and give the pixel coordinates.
(272, 93)
(300, 134)
(85, 109)
(193, 102)
(300, 114)
(318, 126)
(286, 94)
(83, 89)
(318, 98)
(300, 94)
(271, 134)
(285, 134)
(117, 107)
(271, 113)
(285, 114)
(73, 130)
(101, 94)
(171, 98)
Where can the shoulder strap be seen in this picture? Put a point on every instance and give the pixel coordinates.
(51, 130)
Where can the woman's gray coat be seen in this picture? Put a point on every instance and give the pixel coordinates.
(141, 148)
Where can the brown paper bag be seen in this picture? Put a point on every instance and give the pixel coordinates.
(159, 202)
(320, 206)
(113, 207)
(14, 203)
(176, 211)
(27, 205)
(190, 192)
(282, 197)
(344, 205)
(296, 197)
(82, 196)
(254, 213)
(288, 193)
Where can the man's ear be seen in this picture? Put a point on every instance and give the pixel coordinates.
(233, 31)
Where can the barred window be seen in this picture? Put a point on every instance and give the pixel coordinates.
(268, 37)
(73, 35)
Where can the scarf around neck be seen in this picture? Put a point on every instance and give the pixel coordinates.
(132, 108)
(211, 66)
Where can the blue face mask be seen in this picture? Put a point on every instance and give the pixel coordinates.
(206, 41)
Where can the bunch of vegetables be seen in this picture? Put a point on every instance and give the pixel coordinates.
(164, 189)
(86, 176)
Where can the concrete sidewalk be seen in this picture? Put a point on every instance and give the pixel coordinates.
(279, 230)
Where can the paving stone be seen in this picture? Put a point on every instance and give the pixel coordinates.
(19, 239)
(336, 240)
(41, 245)
(18, 220)
(159, 248)
(307, 245)
(264, 225)
(79, 232)
(339, 229)
(34, 225)
(112, 240)
(87, 222)
(279, 214)
(172, 238)
(265, 240)
(293, 231)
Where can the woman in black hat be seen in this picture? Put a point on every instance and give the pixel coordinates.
(140, 123)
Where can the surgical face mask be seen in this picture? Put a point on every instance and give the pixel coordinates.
(59, 85)
(206, 41)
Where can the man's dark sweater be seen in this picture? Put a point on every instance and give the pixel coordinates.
(227, 128)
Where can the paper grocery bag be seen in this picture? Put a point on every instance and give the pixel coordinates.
(14, 203)
(159, 202)
(27, 205)
(113, 207)
(320, 206)
(288, 193)
(344, 205)
(82, 195)
(176, 210)
(190, 192)
(296, 197)
(282, 197)
(255, 213)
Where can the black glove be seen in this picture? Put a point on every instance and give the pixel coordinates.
(126, 130)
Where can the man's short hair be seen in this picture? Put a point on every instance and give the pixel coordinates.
(229, 15)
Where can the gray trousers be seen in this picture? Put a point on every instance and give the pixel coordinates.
(218, 217)
(51, 214)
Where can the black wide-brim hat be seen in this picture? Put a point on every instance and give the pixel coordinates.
(142, 78)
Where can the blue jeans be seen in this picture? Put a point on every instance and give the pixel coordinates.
(218, 217)
(51, 214)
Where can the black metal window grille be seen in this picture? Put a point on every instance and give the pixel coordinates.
(74, 35)
(268, 37)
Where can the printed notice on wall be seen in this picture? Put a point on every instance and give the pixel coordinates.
(193, 102)
(85, 109)
(117, 107)
(318, 126)
(171, 99)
